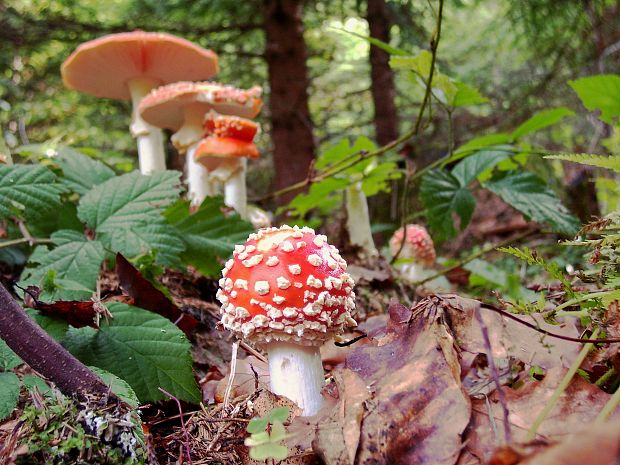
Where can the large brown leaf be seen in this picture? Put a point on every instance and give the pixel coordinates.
(418, 410)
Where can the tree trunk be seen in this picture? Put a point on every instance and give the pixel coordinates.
(291, 129)
(382, 76)
(37, 348)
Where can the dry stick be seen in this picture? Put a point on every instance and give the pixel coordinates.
(24, 240)
(494, 373)
(46, 356)
(183, 428)
(531, 434)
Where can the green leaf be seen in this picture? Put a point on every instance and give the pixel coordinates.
(54, 326)
(530, 195)
(602, 161)
(419, 64)
(126, 212)
(9, 394)
(476, 164)
(257, 425)
(141, 347)
(344, 149)
(209, 236)
(269, 450)
(541, 120)
(487, 271)
(81, 172)
(443, 195)
(477, 143)
(8, 358)
(77, 260)
(118, 386)
(600, 92)
(28, 191)
(467, 95)
(278, 414)
(32, 382)
(378, 43)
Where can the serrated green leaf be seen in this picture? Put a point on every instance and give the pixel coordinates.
(489, 142)
(467, 95)
(32, 382)
(81, 172)
(600, 92)
(419, 64)
(118, 386)
(8, 358)
(209, 236)
(141, 347)
(477, 163)
(62, 217)
(128, 200)
(55, 327)
(142, 238)
(73, 261)
(530, 195)
(541, 120)
(28, 191)
(126, 213)
(9, 393)
(443, 195)
(602, 161)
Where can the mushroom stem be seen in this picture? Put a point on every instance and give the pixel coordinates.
(151, 156)
(199, 182)
(358, 219)
(296, 372)
(231, 171)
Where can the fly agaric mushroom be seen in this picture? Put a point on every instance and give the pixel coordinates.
(224, 152)
(182, 107)
(130, 64)
(418, 247)
(286, 289)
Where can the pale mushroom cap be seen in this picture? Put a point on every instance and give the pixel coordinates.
(163, 107)
(102, 67)
(418, 244)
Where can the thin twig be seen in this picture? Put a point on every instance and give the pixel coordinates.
(183, 428)
(231, 376)
(252, 351)
(480, 253)
(24, 240)
(494, 373)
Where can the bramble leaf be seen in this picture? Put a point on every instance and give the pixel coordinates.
(142, 348)
(81, 172)
(9, 393)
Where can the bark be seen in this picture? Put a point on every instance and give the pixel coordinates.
(291, 131)
(382, 76)
(44, 354)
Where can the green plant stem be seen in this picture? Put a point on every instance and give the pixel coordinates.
(24, 240)
(480, 253)
(581, 298)
(531, 434)
(609, 407)
(606, 377)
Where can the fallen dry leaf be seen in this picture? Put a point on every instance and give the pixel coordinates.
(592, 445)
(338, 435)
(579, 405)
(418, 410)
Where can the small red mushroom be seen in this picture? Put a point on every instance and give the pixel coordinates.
(287, 290)
(418, 247)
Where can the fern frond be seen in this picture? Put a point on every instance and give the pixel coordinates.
(532, 258)
(602, 161)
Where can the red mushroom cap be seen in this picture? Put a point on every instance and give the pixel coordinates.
(286, 284)
(230, 126)
(418, 244)
(223, 147)
(102, 67)
(163, 106)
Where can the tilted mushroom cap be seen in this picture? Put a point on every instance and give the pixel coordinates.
(223, 147)
(286, 284)
(102, 67)
(163, 107)
(418, 244)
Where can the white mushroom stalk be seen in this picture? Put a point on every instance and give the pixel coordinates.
(151, 156)
(231, 172)
(286, 290)
(358, 219)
